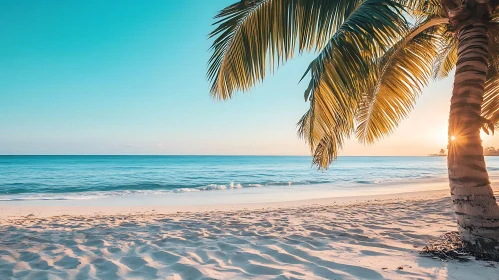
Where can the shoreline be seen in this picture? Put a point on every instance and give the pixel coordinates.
(22, 209)
(227, 200)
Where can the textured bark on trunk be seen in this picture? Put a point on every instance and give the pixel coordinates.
(476, 208)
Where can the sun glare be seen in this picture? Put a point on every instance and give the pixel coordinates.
(452, 138)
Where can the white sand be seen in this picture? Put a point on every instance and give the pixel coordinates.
(340, 238)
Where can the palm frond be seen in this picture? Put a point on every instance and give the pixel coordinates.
(372, 28)
(253, 33)
(490, 104)
(447, 56)
(495, 16)
(424, 8)
(494, 43)
(330, 118)
(340, 72)
(400, 76)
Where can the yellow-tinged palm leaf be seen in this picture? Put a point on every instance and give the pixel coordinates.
(425, 8)
(495, 16)
(376, 93)
(252, 33)
(490, 104)
(447, 57)
(400, 76)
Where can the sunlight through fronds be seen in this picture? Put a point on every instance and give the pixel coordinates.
(400, 76)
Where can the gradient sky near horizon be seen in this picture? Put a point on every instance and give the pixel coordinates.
(129, 77)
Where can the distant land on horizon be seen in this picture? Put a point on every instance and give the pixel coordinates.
(488, 151)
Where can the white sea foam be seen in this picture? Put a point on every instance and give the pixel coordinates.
(212, 187)
(209, 187)
(82, 177)
(103, 194)
(235, 186)
(184, 190)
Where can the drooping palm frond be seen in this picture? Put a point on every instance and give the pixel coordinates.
(331, 115)
(252, 33)
(376, 94)
(400, 76)
(340, 72)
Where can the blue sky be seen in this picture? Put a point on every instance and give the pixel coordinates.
(129, 77)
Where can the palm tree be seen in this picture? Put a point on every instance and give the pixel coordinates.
(374, 58)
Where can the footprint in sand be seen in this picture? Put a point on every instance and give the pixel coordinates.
(39, 265)
(28, 256)
(68, 262)
(165, 257)
(133, 262)
(113, 250)
(105, 269)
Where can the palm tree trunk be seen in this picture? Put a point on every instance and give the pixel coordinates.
(476, 208)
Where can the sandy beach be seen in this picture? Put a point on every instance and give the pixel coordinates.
(257, 139)
(376, 237)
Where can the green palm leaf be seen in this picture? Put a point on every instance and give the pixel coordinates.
(371, 29)
(340, 74)
(252, 33)
(331, 115)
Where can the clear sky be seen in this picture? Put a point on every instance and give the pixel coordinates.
(129, 77)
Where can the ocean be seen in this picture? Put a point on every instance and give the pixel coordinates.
(83, 177)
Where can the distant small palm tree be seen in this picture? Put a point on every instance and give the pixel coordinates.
(442, 152)
(374, 59)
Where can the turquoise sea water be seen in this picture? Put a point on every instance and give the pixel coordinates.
(76, 177)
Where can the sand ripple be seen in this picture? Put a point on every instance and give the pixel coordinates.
(364, 241)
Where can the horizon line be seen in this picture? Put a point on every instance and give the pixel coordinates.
(207, 155)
